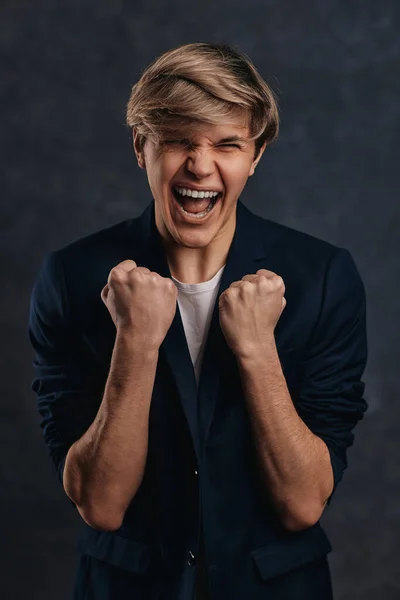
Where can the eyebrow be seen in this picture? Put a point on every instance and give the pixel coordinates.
(232, 138)
(225, 140)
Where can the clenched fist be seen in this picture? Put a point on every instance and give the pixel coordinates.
(140, 301)
(249, 311)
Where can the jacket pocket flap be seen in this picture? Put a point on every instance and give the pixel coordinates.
(283, 555)
(125, 553)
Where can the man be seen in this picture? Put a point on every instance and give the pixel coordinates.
(198, 367)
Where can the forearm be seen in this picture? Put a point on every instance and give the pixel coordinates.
(295, 463)
(105, 467)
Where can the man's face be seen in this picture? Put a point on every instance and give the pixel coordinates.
(207, 161)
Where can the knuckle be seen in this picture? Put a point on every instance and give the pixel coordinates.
(116, 274)
(170, 285)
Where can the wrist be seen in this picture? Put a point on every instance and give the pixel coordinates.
(127, 338)
(258, 352)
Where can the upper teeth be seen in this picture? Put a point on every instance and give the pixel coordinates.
(195, 193)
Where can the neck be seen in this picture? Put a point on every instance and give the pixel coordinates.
(194, 273)
(195, 265)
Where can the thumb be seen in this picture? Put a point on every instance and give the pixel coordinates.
(127, 265)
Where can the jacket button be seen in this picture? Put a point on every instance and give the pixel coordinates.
(191, 558)
(195, 473)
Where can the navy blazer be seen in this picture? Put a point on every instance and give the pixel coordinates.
(202, 463)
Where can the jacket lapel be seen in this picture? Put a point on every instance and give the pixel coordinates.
(246, 255)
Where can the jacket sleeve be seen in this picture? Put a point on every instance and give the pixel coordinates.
(331, 398)
(68, 391)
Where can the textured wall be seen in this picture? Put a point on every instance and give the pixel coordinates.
(68, 169)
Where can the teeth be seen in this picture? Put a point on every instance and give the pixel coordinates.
(195, 193)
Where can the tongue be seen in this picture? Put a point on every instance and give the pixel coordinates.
(194, 205)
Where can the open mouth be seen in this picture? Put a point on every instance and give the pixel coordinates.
(196, 215)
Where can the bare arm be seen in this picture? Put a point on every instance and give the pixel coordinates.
(294, 461)
(105, 467)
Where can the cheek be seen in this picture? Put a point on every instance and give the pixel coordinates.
(159, 179)
(236, 176)
(168, 168)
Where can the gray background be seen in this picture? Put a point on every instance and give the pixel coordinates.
(68, 169)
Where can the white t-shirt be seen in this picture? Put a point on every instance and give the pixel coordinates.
(196, 304)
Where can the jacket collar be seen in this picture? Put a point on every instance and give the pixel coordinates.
(246, 255)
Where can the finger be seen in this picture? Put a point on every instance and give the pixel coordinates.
(127, 265)
(266, 273)
(118, 272)
(272, 276)
(104, 292)
(249, 277)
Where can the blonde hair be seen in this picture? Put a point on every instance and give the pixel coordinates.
(202, 83)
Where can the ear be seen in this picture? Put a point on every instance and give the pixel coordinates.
(257, 160)
(136, 146)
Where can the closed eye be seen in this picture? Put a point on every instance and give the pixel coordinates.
(188, 143)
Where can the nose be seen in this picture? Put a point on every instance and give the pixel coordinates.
(200, 163)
